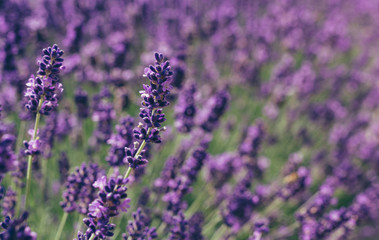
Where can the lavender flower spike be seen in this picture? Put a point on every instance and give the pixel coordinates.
(154, 99)
(17, 228)
(112, 194)
(139, 228)
(111, 200)
(43, 91)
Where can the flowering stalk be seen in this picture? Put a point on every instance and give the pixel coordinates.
(30, 157)
(43, 92)
(112, 194)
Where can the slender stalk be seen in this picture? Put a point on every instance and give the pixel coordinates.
(92, 237)
(30, 157)
(141, 147)
(161, 228)
(211, 224)
(128, 172)
(61, 225)
(219, 232)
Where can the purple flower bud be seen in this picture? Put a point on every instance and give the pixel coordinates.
(185, 110)
(64, 166)
(81, 101)
(80, 192)
(195, 226)
(119, 141)
(46, 84)
(9, 203)
(260, 228)
(33, 147)
(139, 228)
(17, 228)
(154, 99)
(295, 182)
(112, 199)
(213, 110)
(103, 114)
(7, 156)
(179, 227)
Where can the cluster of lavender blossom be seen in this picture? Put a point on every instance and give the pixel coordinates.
(260, 121)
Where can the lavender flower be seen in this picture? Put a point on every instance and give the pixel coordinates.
(119, 141)
(295, 183)
(185, 110)
(80, 192)
(44, 89)
(222, 167)
(82, 105)
(241, 204)
(196, 161)
(195, 226)
(103, 114)
(168, 172)
(7, 156)
(9, 203)
(139, 228)
(181, 185)
(154, 99)
(130, 157)
(323, 199)
(33, 147)
(64, 166)
(260, 228)
(213, 110)
(179, 230)
(253, 140)
(17, 228)
(112, 199)
(172, 166)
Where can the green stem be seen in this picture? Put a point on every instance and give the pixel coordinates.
(92, 236)
(219, 232)
(211, 224)
(161, 228)
(276, 204)
(61, 225)
(141, 147)
(197, 203)
(30, 157)
(128, 172)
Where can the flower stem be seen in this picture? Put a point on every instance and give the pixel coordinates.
(30, 157)
(128, 172)
(92, 236)
(61, 225)
(141, 147)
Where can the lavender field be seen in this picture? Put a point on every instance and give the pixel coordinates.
(189, 120)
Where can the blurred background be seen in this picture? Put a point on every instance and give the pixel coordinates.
(284, 92)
